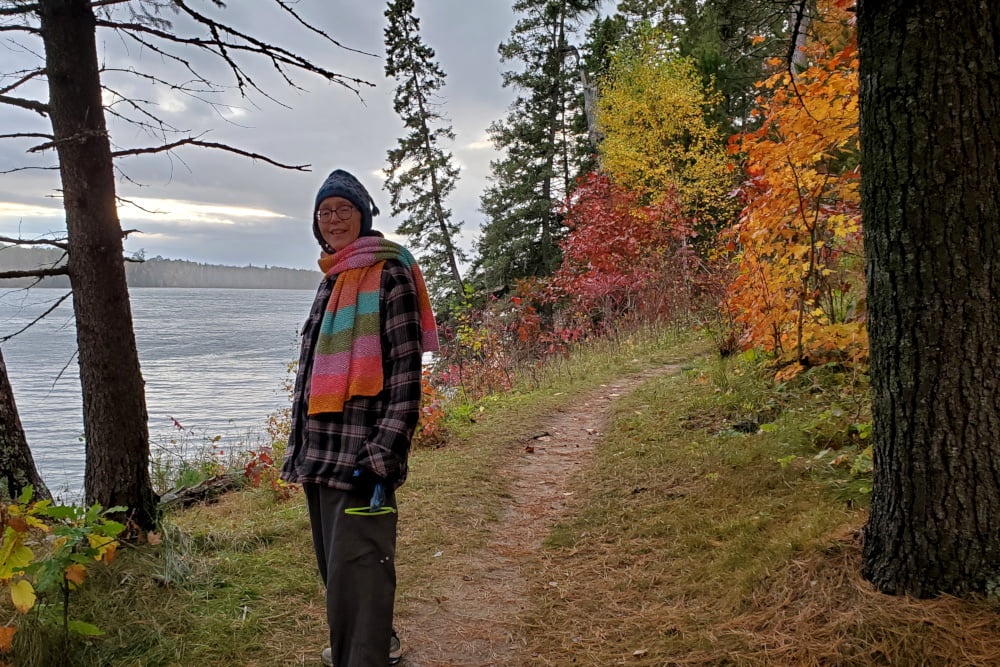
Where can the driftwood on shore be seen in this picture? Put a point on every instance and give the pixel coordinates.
(203, 491)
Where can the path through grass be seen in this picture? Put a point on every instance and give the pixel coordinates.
(714, 522)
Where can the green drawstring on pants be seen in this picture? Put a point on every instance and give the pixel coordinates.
(368, 511)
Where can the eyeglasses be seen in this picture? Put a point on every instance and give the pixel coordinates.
(343, 212)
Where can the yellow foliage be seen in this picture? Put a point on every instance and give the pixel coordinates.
(652, 111)
(13, 554)
(106, 547)
(22, 593)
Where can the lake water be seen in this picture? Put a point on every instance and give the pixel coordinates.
(214, 360)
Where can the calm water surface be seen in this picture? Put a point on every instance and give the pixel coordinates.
(214, 360)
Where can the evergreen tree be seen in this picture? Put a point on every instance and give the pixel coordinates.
(421, 174)
(544, 143)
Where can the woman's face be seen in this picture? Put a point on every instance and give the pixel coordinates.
(338, 233)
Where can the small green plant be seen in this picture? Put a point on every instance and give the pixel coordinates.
(786, 461)
(44, 555)
(189, 459)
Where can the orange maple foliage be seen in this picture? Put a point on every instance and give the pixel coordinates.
(799, 290)
(76, 573)
(7, 633)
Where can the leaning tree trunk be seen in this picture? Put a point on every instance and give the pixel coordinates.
(114, 404)
(930, 137)
(17, 467)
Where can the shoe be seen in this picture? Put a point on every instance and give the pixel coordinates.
(395, 652)
(395, 649)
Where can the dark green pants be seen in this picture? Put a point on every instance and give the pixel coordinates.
(357, 560)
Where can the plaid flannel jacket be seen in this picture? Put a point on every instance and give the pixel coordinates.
(372, 432)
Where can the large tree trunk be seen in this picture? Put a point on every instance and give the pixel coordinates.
(17, 467)
(114, 404)
(930, 135)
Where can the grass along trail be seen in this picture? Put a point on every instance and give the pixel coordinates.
(474, 616)
(698, 515)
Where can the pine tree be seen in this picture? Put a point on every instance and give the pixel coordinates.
(544, 141)
(421, 174)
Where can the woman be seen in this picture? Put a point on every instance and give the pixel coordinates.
(355, 405)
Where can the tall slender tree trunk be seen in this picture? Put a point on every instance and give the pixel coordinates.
(930, 133)
(557, 56)
(114, 404)
(436, 193)
(17, 467)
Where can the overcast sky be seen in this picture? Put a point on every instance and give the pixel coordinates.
(219, 208)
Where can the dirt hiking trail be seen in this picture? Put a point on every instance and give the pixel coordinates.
(473, 618)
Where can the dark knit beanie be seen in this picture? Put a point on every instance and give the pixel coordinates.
(343, 184)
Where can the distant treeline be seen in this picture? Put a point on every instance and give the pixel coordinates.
(160, 272)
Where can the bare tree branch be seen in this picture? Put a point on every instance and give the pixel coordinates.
(58, 243)
(26, 48)
(126, 200)
(123, 175)
(278, 56)
(160, 129)
(181, 87)
(59, 375)
(36, 273)
(30, 9)
(290, 10)
(195, 93)
(76, 138)
(33, 135)
(209, 144)
(32, 105)
(139, 106)
(105, 3)
(19, 28)
(38, 319)
(167, 55)
(214, 46)
(16, 169)
(17, 11)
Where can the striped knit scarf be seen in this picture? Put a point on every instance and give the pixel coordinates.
(348, 357)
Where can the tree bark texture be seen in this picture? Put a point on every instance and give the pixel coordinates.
(17, 467)
(930, 136)
(114, 404)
